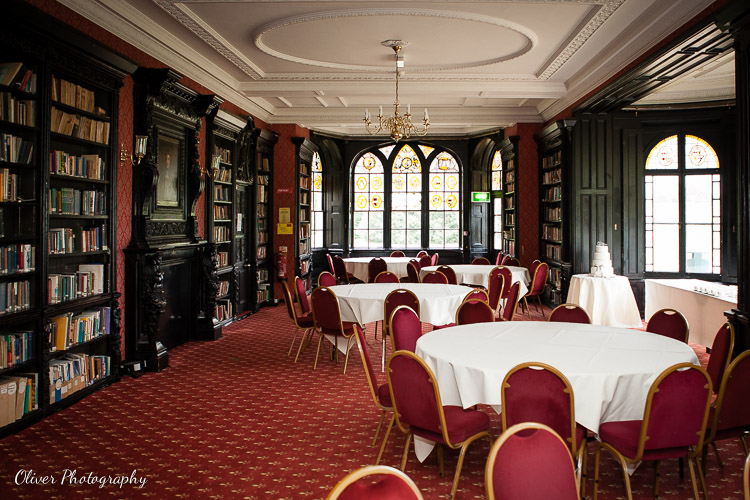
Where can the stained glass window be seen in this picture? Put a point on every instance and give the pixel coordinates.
(496, 171)
(317, 202)
(406, 200)
(368, 201)
(683, 168)
(445, 198)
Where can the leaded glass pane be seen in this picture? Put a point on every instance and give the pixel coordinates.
(398, 238)
(317, 202)
(452, 239)
(368, 202)
(666, 199)
(407, 161)
(664, 155)
(452, 220)
(437, 239)
(699, 153)
(376, 220)
(444, 188)
(414, 239)
(426, 150)
(437, 220)
(386, 150)
(698, 199)
(698, 248)
(497, 171)
(667, 248)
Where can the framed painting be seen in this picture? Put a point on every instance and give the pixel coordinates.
(170, 164)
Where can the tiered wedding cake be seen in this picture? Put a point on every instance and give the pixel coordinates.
(602, 264)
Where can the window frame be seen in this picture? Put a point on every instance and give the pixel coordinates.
(387, 162)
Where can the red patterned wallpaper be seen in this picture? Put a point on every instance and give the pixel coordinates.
(124, 190)
(528, 191)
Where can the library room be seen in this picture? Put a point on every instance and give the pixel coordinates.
(289, 249)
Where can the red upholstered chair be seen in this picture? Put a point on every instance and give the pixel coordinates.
(509, 309)
(425, 261)
(421, 254)
(435, 277)
(510, 261)
(477, 294)
(398, 253)
(435, 258)
(507, 281)
(481, 261)
(495, 288)
(420, 412)
(405, 329)
(721, 354)
(449, 273)
(398, 297)
(412, 271)
(537, 392)
(375, 267)
(499, 258)
(327, 279)
(379, 392)
(386, 277)
(330, 263)
(569, 313)
(327, 318)
(530, 461)
(669, 323)
(538, 284)
(342, 275)
(300, 292)
(375, 482)
(534, 264)
(302, 322)
(474, 311)
(673, 425)
(730, 412)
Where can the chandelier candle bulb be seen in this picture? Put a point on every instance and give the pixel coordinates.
(367, 114)
(380, 111)
(426, 115)
(408, 109)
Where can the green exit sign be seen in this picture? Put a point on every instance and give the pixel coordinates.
(480, 196)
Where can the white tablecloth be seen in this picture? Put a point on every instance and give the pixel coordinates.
(610, 369)
(609, 301)
(358, 266)
(363, 303)
(480, 275)
(705, 313)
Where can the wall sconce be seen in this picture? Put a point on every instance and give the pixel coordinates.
(141, 141)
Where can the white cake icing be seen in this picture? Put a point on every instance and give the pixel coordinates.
(601, 266)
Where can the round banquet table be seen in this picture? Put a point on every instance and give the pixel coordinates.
(358, 266)
(609, 301)
(473, 274)
(363, 303)
(610, 369)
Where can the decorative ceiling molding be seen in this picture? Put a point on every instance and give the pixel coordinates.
(531, 38)
(605, 11)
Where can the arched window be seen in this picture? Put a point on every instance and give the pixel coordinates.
(397, 202)
(317, 202)
(368, 202)
(496, 171)
(683, 207)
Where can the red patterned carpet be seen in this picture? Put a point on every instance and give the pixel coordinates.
(236, 418)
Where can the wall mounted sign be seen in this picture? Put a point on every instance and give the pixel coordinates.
(480, 196)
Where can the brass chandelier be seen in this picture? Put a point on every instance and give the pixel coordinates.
(399, 126)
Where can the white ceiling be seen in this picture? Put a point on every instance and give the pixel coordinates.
(476, 65)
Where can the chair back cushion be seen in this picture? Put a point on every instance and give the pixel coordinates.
(721, 351)
(509, 310)
(495, 287)
(421, 254)
(510, 261)
(412, 271)
(398, 253)
(734, 409)
(425, 261)
(481, 261)
(449, 273)
(569, 313)
(399, 297)
(405, 329)
(375, 482)
(375, 267)
(435, 277)
(413, 392)
(676, 407)
(435, 258)
(326, 312)
(386, 277)
(669, 323)
(474, 311)
(507, 281)
(530, 461)
(536, 392)
(499, 258)
(326, 279)
(540, 279)
(289, 302)
(330, 263)
(339, 269)
(477, 294)
(304, 302)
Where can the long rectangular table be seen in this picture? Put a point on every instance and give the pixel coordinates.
(705, 313)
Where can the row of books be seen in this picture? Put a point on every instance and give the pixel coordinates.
(304, 214)
(222, 174)
(552, 160)
(262, 194)
(261, 238)
(75, 96)
(261, 210)
(15, 348)
(510, 187)
(62, 240)
(86, 166)
(78, 126)
(551, 177)
(221, 234)
(20, 111)
(260, 252)
(509, 247)
(15, 296)
(553, 193)
(9, 186)
(552, 251)
(304, 169)
(553, 214)
(551, 232)
(508, 203)
(261, 275)
(304, 229)
(304, 198)
(74, 372)
(17, 258)
(69, 329)
(263, 293)
(304, 266)
(18, 396)
(223, 154)
(16, 149)
(262, 180)
(88, 280)
(304, 247)
(304, 183)
(223, 288)
(222, 212)
(69, 201)
(221, 193)
(510, 219)
(222, 259)
(223, 310)
(18, 76)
